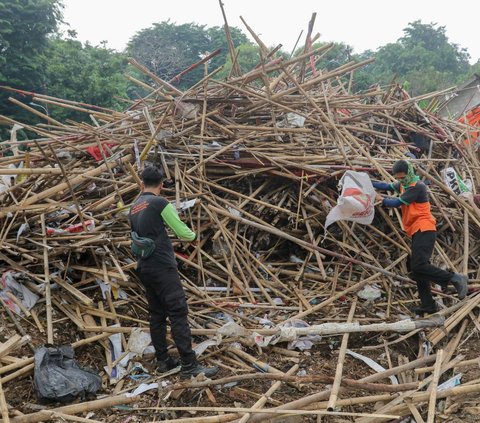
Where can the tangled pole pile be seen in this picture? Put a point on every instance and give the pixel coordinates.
(253, 164)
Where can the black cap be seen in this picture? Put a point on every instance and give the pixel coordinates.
(400, 166)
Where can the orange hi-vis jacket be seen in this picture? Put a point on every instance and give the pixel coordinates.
(416, 213)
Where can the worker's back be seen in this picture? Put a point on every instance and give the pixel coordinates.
(146, 221)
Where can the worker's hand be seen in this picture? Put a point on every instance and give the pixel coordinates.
(378, 197)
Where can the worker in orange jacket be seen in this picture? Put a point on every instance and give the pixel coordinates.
(420, 225)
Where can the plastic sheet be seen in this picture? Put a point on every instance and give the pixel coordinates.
(59, 377)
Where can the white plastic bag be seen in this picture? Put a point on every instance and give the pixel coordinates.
(356, 202)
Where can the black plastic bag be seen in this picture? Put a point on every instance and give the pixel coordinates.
(59, 377)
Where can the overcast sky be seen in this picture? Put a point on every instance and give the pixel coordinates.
(363, 24)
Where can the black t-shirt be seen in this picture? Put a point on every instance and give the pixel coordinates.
(414, 194)
(146, 221)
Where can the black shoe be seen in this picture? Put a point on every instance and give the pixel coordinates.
(460, 282)
(194, 369)
(421, 310)
(167, 364)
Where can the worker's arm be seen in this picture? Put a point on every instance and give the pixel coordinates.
(383, 186)
(410, 195)
(170, 217)
(392, 202)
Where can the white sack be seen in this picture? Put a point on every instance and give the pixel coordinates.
(356, 202)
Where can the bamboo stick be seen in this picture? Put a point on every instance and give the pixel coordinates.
(341, 358)
(433, 388)
(3, 405)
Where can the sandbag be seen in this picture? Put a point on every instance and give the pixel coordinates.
(59, 377)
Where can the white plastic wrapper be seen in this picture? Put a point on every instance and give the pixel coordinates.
(370, 292)
(372, 364)
(292, 120)
(356, 202)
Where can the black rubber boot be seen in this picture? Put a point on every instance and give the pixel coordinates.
(460, 282)
(193, 369)
(422, 310)
(167, 364)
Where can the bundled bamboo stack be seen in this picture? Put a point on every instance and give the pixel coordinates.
(253, 164)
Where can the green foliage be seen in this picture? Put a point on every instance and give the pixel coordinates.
(84, 73)
(338, 55)
(248, 57)
(24, 29)
(167, 49)
(423, 59)
(474, 69)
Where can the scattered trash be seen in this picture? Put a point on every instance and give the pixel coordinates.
(292, 120)
(73, 229)
(203, 346)
(145, 387)
(184, 205)
(11, 284)
(450, 383)
(138, 341)
(369, 292)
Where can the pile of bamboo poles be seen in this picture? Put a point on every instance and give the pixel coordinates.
(258, 157)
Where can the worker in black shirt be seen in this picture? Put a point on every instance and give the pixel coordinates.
(149, 217)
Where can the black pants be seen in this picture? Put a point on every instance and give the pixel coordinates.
(422, 271)
(166, 298)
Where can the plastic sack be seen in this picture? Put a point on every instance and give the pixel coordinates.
(356, 202)
(59, 377)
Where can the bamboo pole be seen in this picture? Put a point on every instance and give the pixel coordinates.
(48, 293)
(433, 388)
(76, 408)
(263, 400)
(341, 359)
(3, 405)
(276, 412)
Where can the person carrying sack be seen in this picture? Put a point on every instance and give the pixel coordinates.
(149, 217)
(420, 225)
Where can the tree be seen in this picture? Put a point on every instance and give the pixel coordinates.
(423, 58)
(24, 29)
(247, 58)
(84, 73)
(167, 49)
(474, 69)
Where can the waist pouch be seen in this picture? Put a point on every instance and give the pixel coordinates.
(142, 247)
